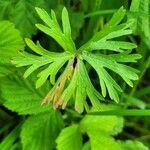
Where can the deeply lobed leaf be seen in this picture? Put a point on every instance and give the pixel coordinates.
(74, 82)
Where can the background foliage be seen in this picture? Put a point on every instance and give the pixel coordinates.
(25, 124)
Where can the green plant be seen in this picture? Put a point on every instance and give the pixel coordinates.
(75, 81)
(63, 62)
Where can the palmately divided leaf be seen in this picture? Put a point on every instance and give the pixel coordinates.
(100, 62)
(70, 137)
(74, 82)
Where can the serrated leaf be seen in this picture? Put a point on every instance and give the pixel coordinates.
(40, 131)
(24, 16)
(6, 70)
(69, 137)
(10, 41)
(139, 14)
(132, 145)
(102, 141)
(111, 125)
(20, 96)
(5, 7)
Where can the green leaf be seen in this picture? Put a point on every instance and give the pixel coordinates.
(86, 146)
(5, 7)
(66, 23)
(35, 62)
(111, 30)
(6, 70)
(85, 88)
(74, 82)
(10, 41)
(111, 124)
(117, 17)
(9, 140)
(69, 137)
(139, 14)
(40, 131)
(117, 46)
(132, 145)
(100, 62)
(24, 16)
(53, 29)
(52, 70)
(103, 141)
(19, 95)
(36, 48)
